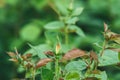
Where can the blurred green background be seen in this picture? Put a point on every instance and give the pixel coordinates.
(22, 21)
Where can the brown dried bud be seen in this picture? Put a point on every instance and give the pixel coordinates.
(43, 62)
(111, 36)
(93, 56)
(29, 65)
(49, 53)
(26, 56)
(74, 53)
(105, 27)
(58, 48)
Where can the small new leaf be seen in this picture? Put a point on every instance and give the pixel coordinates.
(93, 56)
(105, 27)
(111, 36)
(58, 48)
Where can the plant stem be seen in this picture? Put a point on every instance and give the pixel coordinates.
(66, 35)
(33, 77)
(104, 46)
(56, 70)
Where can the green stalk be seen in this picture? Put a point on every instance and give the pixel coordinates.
(66, 35)
(104, 46)
(56, 70)
(33, 77)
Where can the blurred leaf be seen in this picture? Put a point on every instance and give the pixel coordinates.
(12, 2)
(62, 8)
(39, 50)
(65, 48)
(47, 74)
(38, 4)
(2, 3)
(77, 11)
(102, 76)
(116, 23)
(56, 25)
(73, 75)
(75, 66)
(30, 32)
(50, 37)
(115, 7)
(28, 73)
(72, 20)
(109, 58)
(102, 5)
(2, 15)
(76, 30)
(21, 69)
(16, 43)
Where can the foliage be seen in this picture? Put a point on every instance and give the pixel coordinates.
(74, 64)
(17, 17)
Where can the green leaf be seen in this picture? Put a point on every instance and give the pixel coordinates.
(55, 25)
(72, 20)
(47, 74)
(16, 43)
(77, 11)
(65, 48)
(75, 66)
(29, 73)
(38, 4)
(12, 2)
(50, 37)
(30, 32)
(73, 75)
(77, 30)
(61, 6)
(102, 76)
(20, 69)
(108, 58)
(39, 50)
